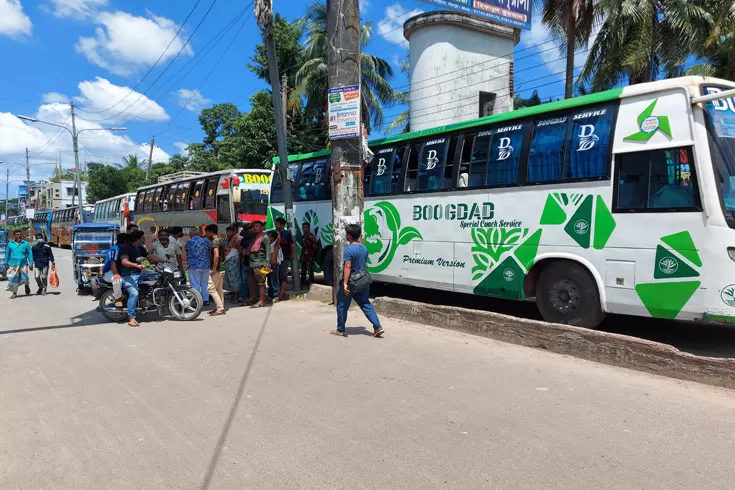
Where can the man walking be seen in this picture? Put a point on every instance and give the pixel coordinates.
(42, 257)
(288, 247)
(308, 251)
(18, 259)
(197, 259)
(355, 259)
(233, 269)
(245, 271)
(217, 261)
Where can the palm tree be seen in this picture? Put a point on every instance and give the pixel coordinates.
(570, 21)
(313, 77)
(641, 39)
(402, 97)
(716, 43)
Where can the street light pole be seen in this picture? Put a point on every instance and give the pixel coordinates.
(75, 140)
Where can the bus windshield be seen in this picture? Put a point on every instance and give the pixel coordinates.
(253, 201)
(721, 127)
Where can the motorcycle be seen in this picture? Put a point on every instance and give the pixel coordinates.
(162, 291)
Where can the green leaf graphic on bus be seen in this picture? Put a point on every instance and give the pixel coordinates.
(327, 235)
(490, 244)
(383, 235)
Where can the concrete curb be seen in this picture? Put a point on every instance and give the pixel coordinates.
(607, 348)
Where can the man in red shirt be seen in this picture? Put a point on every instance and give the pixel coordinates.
(308, 251)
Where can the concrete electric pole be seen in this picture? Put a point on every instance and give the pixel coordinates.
(343, 56)
(264, 16)
(150, 160)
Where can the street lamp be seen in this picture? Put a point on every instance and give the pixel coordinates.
(75, 139)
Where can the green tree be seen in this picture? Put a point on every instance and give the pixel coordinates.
(218, 123)
(715, 44)
(105, 181)
(571, 22)
(519, 102)
(289, 50)
(313, 76)
(402, 97)
(61, 174)
(641, 39)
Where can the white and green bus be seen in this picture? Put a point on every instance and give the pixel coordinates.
(617, 202)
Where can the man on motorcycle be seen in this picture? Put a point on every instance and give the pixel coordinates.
(131, 272)
(112, 269)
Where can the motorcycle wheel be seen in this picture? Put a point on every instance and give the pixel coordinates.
(107, 308)
(190, 309)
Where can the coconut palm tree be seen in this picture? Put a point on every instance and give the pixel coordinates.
(641, 39)
(716, 43)
(570, 21)
(313, 77)
(402, 97)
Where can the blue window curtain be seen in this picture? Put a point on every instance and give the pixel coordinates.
(546, 157)
(382, 167)
(431, 165)
(505, 155)
(588, 144)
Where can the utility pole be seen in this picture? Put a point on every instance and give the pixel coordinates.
(7, 196)
(77, 177)
(28, 193)
(296, 277)
(343, 58)
(150, 161)
(264, 16)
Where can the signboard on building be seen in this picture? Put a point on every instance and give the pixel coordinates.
(516, 13)
(344, 112)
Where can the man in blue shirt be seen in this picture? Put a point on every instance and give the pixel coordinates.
(18, 259)
(355, 259)
(197, 260)
(131, 272)
(112, 269)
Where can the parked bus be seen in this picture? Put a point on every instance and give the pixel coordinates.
(617, 202)
(223, 197)
(41, 223)
(117, 210)
(61, 222)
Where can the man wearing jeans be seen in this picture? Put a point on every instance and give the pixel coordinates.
(197, 260)
(131, 273)
(216, 274)
(355, 259)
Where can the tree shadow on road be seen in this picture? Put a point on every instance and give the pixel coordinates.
(86, 319)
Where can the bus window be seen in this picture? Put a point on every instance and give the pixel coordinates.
(397, 171)
(148, 205)
(139, 201)
(157, 200)
(412, 170)
(431, 166)
(277, 187)
(546, 156)
(478, 161)
(165, 198)
(210, 200)
(448, 180)
(505, 155)
(197, 197)
(657, 180)
(185, 195)
(588, 144)
(224, 214)
(380, 171)
(312, 181)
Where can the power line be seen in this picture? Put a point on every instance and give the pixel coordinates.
(154, 64)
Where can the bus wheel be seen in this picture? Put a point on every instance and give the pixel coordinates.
(328, 268)
(566, 293)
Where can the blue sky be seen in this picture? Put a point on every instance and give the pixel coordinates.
(96, 51)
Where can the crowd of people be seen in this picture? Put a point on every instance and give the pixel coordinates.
(250, 264)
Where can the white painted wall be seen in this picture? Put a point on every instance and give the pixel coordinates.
(450, 65)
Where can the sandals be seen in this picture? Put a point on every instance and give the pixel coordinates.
(338, 333)
(133, 323)
(217, 312)
(257, 305)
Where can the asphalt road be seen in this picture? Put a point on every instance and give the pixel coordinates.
(268, 399)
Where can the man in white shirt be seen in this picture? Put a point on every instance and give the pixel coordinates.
(166, 250)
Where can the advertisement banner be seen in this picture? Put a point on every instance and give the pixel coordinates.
(344, 112)
(516, 13)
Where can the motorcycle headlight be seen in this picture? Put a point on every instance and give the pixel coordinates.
(177, 275)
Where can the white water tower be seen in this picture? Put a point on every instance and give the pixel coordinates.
(461, 68)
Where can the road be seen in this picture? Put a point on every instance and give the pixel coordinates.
(268, 399)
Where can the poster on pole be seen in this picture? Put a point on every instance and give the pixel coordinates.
(516, 13)
(30, 213)
(344, 112)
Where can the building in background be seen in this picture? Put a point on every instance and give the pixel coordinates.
(55, 195)
(461, 68)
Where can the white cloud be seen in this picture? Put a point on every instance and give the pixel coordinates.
(391, 26)
(183, 148)
(125, 44)
(554, 61)
(192, 100)
(78, 9)
(101, 95)
(364, 6)
(13, 21)
(55, 98)
(47, 142)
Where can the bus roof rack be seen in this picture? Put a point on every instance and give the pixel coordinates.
(178, 176)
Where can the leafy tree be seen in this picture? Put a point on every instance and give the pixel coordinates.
(313, 76)
(218, 123)
(60, 174)
(402, 97)
(289, 50)
(570, 21)
(519, 102)
(641, 39)
(105, 181)
(715, 44)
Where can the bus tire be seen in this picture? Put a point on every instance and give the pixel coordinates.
(566, 293)
(328, 268)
